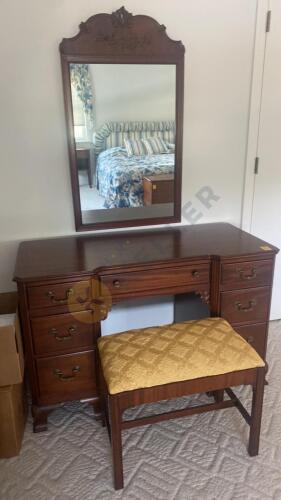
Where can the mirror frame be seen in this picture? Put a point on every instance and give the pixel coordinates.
(121, 38)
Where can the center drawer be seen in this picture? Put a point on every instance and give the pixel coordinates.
(155, 279)
(63, 331)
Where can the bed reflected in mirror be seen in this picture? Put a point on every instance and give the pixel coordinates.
(124, 119)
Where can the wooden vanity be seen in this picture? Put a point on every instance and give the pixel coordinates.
(68, 285)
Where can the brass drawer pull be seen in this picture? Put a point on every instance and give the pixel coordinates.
(116, 284)
(52, 297)
(250, 307)
(251, 276)
(71, 331)
(195, 274)
(67, 378)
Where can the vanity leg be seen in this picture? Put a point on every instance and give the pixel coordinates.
(40, 417)
(96, 404)
(218, 395)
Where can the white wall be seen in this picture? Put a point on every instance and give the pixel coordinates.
(133, 92)
(35, 192)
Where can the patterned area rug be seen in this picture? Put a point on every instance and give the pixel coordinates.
(202, 457)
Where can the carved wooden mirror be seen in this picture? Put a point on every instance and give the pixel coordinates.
(123, 89)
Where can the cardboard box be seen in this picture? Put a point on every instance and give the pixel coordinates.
(11, 351)
(12, 419)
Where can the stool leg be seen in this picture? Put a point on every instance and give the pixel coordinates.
(102, 392)
(256, 414)
(218, 395)
(116, 441)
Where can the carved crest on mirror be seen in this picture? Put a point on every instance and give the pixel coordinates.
(123, 79)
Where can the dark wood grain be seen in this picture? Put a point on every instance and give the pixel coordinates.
(144, 264)
(177, 389)
(256, 414)
(117, 403)
(121, 284)
(70, 384)
(77, 255)
(246, 306)
(58, 333)
(121, 34)
(185, 412)
(121, 38)
(246, 274)
(61, 294)
(40, 417)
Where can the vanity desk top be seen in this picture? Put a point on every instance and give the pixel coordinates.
(68, 285)
(77, 255)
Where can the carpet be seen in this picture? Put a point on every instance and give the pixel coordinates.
(202, 457)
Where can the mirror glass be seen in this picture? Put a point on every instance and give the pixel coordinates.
(124, 130)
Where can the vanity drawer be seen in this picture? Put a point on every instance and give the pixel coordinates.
(245, 306)
(246, 274)
(155, 279)
(63, 331)
(62, 294)
(255, 335)
(66, 378)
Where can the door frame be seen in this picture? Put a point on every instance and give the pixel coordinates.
(259, 54)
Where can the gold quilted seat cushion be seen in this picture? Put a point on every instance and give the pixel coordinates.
(181, 351)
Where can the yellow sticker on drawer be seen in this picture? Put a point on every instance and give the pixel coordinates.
(266, 248)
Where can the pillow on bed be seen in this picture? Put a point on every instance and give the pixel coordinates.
(155, 145)
(171, 146)
(135, 147)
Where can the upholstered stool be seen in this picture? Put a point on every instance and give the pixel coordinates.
(166, 362)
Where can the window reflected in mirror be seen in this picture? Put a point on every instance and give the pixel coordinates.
(124, 130)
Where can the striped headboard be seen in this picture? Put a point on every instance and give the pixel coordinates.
(112, 134)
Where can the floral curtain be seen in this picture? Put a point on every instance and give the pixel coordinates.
(81, 81)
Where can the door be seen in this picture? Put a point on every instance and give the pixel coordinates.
(266, 208)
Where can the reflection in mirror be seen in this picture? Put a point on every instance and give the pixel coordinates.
(124, 129)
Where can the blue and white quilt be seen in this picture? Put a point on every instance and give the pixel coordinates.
(119, 176)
